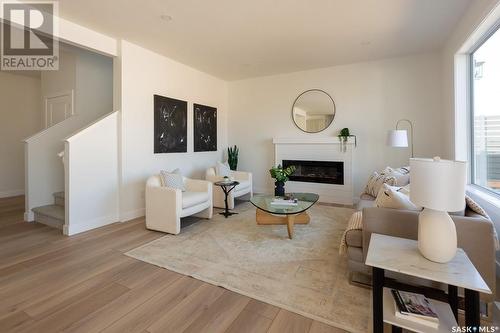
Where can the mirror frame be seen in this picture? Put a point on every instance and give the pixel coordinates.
(334, 110)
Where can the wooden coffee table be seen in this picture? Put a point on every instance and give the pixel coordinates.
(268, 214)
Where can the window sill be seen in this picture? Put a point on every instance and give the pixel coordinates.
(478, 192)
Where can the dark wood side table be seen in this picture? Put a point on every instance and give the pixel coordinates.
(226, 188)
(402, 256)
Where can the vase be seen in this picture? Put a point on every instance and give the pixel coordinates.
(279, 189)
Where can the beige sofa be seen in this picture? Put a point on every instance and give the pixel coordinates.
(474, 234)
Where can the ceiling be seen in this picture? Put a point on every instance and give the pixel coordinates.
(237, 39)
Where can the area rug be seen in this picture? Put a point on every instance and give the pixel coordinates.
(304, 275)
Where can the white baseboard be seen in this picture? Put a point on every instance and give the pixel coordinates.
(11, 193)
(132, 214)
(29, 216)
(77, 228)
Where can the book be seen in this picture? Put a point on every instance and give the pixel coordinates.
(284, 202)
(415, 307)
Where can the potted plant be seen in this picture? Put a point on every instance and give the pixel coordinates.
(232, 157)
(344, 136)
(281, 176)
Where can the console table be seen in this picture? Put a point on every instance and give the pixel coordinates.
(402, 256)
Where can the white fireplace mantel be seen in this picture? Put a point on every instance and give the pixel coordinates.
(311, 140)
(319, 149)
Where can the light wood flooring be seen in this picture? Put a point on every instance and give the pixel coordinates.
(84, 283)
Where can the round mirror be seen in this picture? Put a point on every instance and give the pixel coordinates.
(313, 111)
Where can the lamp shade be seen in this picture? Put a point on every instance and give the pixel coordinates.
(438, 184)
(397, 138)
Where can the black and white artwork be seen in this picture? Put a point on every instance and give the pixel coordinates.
(205, 128)
(170, 125)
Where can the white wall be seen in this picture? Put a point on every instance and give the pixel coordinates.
(370, 97)
(144, 74)
(91, 158)
(20, 117)
(61, 81)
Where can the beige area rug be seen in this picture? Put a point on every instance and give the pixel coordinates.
(305, 275)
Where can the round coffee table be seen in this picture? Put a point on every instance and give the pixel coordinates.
(288, 215)
(227, 186)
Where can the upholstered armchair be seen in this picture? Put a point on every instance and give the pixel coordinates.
(243, 189)
(165, 206)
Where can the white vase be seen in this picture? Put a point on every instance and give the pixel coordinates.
(437, 235)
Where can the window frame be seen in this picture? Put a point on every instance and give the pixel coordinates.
(470, 81)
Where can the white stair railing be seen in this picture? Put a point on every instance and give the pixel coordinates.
(92, 175)
(44, 172)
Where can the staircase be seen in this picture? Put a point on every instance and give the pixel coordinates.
(52, 215)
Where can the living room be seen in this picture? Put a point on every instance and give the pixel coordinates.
(195, 203)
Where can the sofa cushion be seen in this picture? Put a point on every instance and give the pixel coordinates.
(365, 203)
(190, 199)
(354, 238)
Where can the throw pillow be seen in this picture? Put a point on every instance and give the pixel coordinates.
(172, 179)
(223, 169)
(392, 197)
(376, 181)
(402, 175)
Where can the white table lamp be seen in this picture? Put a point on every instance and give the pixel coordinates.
(438, 186)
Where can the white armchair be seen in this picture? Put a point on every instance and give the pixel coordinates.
(165, 206)
(245, 187)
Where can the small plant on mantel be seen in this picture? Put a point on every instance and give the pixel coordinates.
(282, 176)
(344, 136)
(232, 157)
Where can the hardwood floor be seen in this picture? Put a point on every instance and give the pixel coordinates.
(84, 283)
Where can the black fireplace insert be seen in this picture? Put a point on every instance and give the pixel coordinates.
(324, 172)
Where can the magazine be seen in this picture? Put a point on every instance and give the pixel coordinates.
(415, 307)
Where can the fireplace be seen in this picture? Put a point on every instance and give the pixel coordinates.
(323, 172)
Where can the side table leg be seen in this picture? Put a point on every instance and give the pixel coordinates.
(378, 302)
(226, 206)
(472, 312)
(396, 329)
(453, 300)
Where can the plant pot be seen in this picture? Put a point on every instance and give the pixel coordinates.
(279, 189)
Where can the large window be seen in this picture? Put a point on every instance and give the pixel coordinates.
(485, 62)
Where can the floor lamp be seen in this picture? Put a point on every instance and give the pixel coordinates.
(399, 138)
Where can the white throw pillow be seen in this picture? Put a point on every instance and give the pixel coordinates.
(392, 197)
(223, 169)
(376, 181)
(402, 175)
(172, 179)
